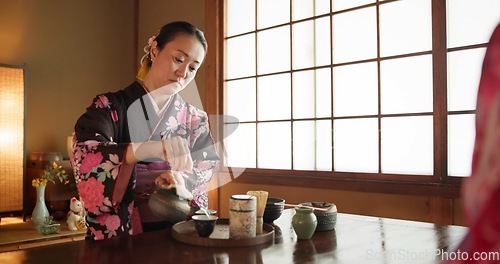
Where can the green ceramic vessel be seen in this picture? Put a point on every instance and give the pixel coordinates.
(304, 223)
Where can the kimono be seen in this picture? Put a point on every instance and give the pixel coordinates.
(481, 192)
(102, 134)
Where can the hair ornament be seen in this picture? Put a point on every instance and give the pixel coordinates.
(150, 40)
(147, 48)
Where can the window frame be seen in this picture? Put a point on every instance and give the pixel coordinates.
(439, 184)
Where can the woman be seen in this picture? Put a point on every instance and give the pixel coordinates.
(481, 192)
(129, 140)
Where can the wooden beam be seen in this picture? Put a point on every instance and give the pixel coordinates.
(440, 210)
(439, 54)
(213, 32)
(430, 189)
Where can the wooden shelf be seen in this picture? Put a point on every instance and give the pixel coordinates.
(16, 234)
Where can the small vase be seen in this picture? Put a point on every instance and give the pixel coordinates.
(304, 223)
(40, 213)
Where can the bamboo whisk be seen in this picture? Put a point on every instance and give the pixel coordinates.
(261, 206)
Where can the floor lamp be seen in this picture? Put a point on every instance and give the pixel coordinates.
(12, 143)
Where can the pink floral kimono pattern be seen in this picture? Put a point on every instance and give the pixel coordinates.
(481, 192)
(101, 138)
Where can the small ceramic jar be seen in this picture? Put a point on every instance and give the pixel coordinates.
(304, 222)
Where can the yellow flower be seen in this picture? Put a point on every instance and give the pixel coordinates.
(50, 174)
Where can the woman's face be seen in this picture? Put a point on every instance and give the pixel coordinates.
(175, 66)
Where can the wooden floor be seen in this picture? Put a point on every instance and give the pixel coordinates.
(16, 234)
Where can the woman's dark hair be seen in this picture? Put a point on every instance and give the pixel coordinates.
(166, 34)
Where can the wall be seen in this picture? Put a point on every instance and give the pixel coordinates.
(73, 50)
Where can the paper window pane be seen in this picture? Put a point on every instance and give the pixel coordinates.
(274, 97)
(240, 99)
(312, 145)
(321, 7)
(273, 50)
(355, 35)
(464, 73)
(355, 89)
(272, 13)
(406, 85)
(302, 9)
(274, 145)
(471, 22)
(303, 94)
(323, 93)
(346, 4)
(240, 56)
(405, 27)
(243, 138)
(322, 44)
(356, 145)
(407, 145)
(240, 16)
(303, 44)
(312, 94)
(304, 145)
(324, 145)
(461, 136)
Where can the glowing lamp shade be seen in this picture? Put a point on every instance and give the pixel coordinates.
(11, 138)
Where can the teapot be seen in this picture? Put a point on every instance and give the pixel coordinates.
(165, 203)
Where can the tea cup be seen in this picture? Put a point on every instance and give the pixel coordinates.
(204, 225)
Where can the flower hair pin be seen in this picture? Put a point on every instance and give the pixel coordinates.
(150, 40)
(147, 48)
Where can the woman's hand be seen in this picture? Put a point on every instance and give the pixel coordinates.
(174, 150)
(178, 154)
(166, 179)
(144, 151)
(174, 178)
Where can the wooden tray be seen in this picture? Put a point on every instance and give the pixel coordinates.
(185, 232)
